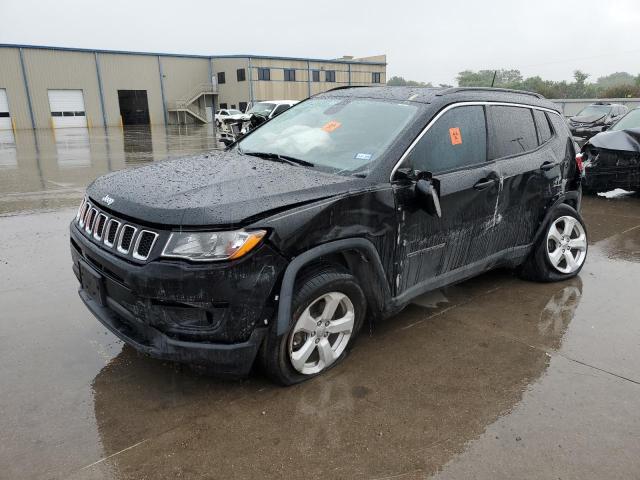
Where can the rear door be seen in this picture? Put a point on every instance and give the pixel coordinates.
(453, 150)
(519, 141)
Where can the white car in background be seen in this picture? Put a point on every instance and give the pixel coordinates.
(226, 113)
(269, 108)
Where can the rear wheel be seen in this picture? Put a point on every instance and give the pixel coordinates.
(561, 251)
(328, 311)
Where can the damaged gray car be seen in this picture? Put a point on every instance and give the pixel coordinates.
(338, 212)
(612, 158)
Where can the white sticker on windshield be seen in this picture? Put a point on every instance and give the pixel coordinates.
(363, 156)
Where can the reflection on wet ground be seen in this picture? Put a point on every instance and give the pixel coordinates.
(46, 169)
(492, 378)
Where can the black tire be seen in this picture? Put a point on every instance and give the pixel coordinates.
(538, 266)
(274, 354)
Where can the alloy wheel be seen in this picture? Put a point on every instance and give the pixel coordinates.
(321, 333)
(566, 244)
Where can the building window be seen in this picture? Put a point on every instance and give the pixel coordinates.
(264, 74)
(243, 106)
(233, 106)
(241, 75)
(221, 78)
(315, 74)
(375, 77)
(330, 76)
(289, 75)
(222, 106)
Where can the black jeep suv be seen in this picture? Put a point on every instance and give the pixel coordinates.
(343, 208)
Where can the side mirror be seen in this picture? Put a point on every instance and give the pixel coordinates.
(428, 197)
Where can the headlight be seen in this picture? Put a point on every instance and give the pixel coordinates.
(211, 246)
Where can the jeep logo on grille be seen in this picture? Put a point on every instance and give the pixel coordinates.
(108, 200)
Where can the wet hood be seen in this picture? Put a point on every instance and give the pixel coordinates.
(587, 118)
(624, 140)
(222, 188)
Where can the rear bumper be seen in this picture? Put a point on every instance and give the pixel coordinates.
(223, 359)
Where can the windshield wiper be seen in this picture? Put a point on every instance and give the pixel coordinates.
(280, 158)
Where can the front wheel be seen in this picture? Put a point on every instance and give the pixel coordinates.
(560, 252)
(328, 311)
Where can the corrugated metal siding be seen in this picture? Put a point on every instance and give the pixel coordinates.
(130, 72)
(11, 80)
(182, 75)
(232, 92)
(48, 69)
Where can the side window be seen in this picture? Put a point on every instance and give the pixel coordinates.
(289, 75)
(542, 124)
(511, 131)
(279, 109)
(456, 139)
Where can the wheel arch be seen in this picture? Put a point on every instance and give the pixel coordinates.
(571, 199)
(359, 256)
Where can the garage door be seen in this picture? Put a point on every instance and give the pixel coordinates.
(5, 119)
(67, 108)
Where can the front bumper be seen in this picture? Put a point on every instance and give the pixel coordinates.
(209, 314)
(585, 132)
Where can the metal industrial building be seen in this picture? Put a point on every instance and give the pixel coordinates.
(52, 87)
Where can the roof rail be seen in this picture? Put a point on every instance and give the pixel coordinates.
(451, 90)
(344, 87)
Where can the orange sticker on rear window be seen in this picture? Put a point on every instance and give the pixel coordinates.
(331, 126)
(456, 136)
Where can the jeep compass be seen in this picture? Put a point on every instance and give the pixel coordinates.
(337, 212)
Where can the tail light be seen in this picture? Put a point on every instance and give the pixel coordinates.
(579, 163)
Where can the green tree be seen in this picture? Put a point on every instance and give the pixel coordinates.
(401, 82)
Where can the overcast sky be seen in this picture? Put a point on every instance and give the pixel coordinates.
(423, 40)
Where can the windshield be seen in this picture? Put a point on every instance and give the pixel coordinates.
(630, 120)
(593, 110)
(234, 112)
(334, 134)
(262, 108)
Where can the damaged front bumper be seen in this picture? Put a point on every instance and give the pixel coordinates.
(214, 314)
(609, 170)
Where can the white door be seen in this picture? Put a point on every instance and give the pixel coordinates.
(5, 119)
(67, 108)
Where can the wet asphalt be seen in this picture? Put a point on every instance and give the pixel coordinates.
(492, 378)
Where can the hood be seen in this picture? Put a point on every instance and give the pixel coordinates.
(222, 188)
(587, 118)
(624, 140)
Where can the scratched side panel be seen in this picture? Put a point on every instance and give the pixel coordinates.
(366, 214)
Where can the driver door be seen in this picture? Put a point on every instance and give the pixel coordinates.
(432, 250)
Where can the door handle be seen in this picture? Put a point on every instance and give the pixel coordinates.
(484, 183)
(547, 166)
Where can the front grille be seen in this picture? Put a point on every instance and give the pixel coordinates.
(126, 237)
(112, 230)
(97, 232)
(114, 234)
(145, 242)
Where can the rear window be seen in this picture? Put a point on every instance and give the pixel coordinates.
(511, 131)
(542, 124)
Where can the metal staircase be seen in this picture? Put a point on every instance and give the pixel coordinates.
(188, 104)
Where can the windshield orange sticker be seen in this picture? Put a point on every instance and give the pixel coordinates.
(331, 126)
(456, 137)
